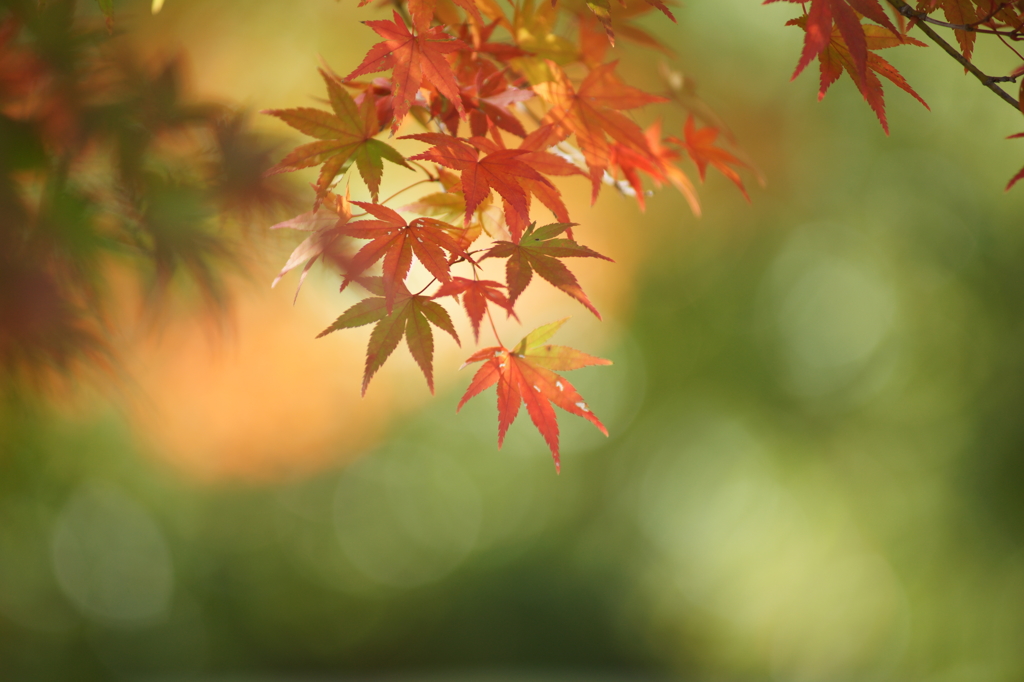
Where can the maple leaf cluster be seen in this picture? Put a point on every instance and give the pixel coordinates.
(845, 36)
(507, 99)
(842, 43)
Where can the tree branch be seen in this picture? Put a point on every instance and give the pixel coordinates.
(986, 80)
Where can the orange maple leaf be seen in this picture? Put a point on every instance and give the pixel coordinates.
(592, 113)
(394, 240)
(422, 11)
(699, 143)
(526, 374)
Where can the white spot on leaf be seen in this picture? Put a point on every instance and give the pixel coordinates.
(582, 406)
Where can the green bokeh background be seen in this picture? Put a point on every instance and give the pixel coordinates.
(814, 471)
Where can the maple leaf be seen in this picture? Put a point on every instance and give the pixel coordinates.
(486, 96)
(475, 295)
(449, 205)
(395, 240)
(410, 317)
(539, 250)
(533, 30)
(422, 11)
(669, 171)
(659, 166)
(537, 158)
(819, 26)
(959, 12)
(326, 228)
(594, 43)
(413, 57)
(1020, 174)
(836, 58)
(700, 145)
(346, 136)
(526, 374)
(379, 92)
(479, 40)
(630, 163)
(500, 170)
(592, 113)
(602, 11)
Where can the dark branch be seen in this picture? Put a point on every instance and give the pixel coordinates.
(986, 80)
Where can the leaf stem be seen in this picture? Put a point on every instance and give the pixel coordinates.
(493, 328)
(424, 169)
(418, 182)
(490, 319)
(420, 292)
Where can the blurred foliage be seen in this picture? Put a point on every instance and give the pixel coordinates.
(105, 164)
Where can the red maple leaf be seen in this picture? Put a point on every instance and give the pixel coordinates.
(1020, 174)
(544, 162)
(539, 251)
(413, 57)
(500, 170)
(395, 240)
(958, 12)
(526, 374)
(475, 295)
(836, 58)
(819, 23)
(486, 96)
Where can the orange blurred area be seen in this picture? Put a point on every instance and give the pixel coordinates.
(267, 400)
(260, 403)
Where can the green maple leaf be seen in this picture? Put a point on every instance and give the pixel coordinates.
(410, 317)
(344, 137)
(539, 250)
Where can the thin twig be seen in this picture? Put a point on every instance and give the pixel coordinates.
(494, 328)
(986, 80)
(418, 182)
